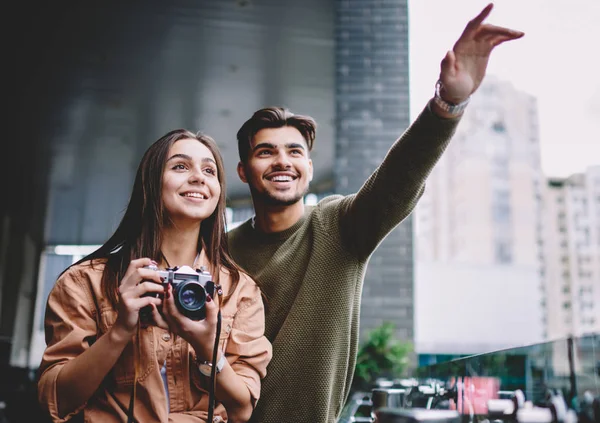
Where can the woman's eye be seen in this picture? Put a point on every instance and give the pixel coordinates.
(179, 166)
(210, 171)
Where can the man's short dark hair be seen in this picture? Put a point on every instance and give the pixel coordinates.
(274, 117)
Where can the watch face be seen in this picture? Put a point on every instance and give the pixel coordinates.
(205, 369)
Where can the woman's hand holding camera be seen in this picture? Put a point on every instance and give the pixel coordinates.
(137, 283)
(199, 334)
(140, 281)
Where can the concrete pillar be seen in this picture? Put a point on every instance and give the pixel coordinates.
(372, 108)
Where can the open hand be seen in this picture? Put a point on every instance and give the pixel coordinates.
(463, 68)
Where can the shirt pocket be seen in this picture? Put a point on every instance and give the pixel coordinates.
(200, 381)
(123, 371)
(226, 327)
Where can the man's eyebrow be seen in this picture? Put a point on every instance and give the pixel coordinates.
(263, 145)
(272, 146)
(294, 145)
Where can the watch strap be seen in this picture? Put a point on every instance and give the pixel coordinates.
(450, 108)
(205, 366)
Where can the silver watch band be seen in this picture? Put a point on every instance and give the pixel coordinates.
(450, 108)
(205, 366)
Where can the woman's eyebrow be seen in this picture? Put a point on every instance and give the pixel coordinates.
(180, 156)
(189, 158)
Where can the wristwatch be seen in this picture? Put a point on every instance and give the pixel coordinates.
(450, 108)
(205, 367)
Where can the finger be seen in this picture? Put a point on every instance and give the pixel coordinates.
(477, 20)
(169, 307)
(492, 30)
(143, 275)
(140, 303)
(129, 285)
(134, 265)
(147, 287)
(212, 310)
(150, 275)
(492, 40)
(499, 40)
(159, 320)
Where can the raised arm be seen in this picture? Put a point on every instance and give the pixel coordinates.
(463, 68)
(392, 191)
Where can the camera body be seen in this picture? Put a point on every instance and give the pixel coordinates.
(190, 288)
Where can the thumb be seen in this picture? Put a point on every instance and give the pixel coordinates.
(211, 310)
(447, 65)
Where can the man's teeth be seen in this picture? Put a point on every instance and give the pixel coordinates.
(195, 195)
(281, 178)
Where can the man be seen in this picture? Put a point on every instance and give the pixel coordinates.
(310, 263)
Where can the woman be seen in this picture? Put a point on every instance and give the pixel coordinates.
(100, 357)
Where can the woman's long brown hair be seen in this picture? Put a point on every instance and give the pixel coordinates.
(139, 233)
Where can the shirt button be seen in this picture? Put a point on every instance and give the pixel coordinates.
(166, 337)
(228, 329)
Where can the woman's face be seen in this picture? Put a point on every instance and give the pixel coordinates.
(190, 187)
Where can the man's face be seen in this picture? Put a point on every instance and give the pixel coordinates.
(278, 169)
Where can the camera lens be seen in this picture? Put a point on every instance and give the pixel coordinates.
(191, 296)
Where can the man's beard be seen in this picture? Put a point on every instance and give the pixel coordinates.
(270, 200)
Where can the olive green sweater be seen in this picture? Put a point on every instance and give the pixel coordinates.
(312, 276)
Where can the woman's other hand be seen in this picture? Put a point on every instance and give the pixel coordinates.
(137, 282)
(199, 334)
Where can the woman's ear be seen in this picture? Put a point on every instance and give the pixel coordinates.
(242, 172)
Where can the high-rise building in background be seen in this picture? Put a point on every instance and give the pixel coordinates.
(571, 254)
(478, 231)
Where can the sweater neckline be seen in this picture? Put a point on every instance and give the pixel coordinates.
(275, 236)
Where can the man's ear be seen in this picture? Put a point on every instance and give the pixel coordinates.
(310, 171)
(242, 172)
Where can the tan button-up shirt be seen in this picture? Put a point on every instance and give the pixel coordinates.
(77, 314)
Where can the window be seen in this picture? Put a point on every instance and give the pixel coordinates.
(503, 252)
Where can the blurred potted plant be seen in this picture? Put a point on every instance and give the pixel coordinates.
(381, 355)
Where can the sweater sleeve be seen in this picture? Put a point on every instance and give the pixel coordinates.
(392, 191)
(70, 326)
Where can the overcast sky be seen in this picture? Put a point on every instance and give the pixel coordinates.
(557, 62)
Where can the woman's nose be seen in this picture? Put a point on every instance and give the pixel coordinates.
(196, 177)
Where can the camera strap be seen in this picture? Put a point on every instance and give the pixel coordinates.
(213, 369)
(213, 372)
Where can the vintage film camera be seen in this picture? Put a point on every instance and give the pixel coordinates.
(190, 288)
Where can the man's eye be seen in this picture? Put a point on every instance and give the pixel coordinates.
(264, 153)
(296, 152)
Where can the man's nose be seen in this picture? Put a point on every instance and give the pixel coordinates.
(282, 160)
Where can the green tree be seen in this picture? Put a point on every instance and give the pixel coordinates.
(381, 355)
